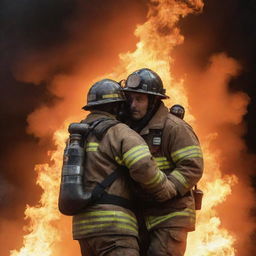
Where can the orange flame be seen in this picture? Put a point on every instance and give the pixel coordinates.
(42, 233)
(157, 38)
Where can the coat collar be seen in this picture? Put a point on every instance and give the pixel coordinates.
(95, 115)
(157, 121)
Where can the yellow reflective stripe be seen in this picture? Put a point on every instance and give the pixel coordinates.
(135, 154)
(91, 149)
(92, 146)
(106, 216)
(105, 213)
(152, 221)
(88, 222)
(137, 158)
(163, 163)
(161, 160)
(158, 177)
(107, 96)
(119, 161)
(180, 178)
(93, 228)
(164, 167)
(187, 152)
(190, 155)
(134, 149)
(185, 149)
(106, 219)
(92, 223)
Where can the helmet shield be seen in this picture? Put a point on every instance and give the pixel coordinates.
(133, 81)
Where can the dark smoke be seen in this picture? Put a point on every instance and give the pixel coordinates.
(26, 26)
(227, 26)
(40, 40)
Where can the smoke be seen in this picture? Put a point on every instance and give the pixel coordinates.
(219, 111)
(85, 56)
(216, 30)
(216, 84)
(6, 190)
(50, 53)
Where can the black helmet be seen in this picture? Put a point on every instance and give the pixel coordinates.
(103, 92)
(178, 111)
(145, 81)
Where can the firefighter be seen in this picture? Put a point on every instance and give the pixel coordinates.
(108, 226)
(176, 149)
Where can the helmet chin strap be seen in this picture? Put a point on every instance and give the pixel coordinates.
(153, 105)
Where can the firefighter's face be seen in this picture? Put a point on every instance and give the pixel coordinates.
(138, 105)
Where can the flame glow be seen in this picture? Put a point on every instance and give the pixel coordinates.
(157, 38)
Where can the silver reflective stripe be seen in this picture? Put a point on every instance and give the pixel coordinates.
(72, 180)
(72, 170)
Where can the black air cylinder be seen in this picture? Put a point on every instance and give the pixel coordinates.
(73, 198)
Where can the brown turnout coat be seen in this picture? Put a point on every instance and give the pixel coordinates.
(119, 146)
(176, 149)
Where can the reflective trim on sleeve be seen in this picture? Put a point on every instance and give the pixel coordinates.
(135, 154)
(92, 222)
(92, 146)
(152, 221)
(158, 178)
(178, 176)
(163, 163)
(187, 152)
(119, 161)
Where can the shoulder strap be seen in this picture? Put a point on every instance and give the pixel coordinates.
(97, 192)
(99, 127)
(103, 127)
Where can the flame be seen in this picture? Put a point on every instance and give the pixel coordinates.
(157, 38)
(42, 233)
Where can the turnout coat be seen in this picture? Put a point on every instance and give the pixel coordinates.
(119, 146)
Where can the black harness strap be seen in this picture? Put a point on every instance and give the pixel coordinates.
(100, 187)
(100, 196)
(115, 200)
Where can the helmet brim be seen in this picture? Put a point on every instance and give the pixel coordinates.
(162, 96)
(103, 102)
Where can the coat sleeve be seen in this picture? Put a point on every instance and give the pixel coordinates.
(186, 154)
(133, 152)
